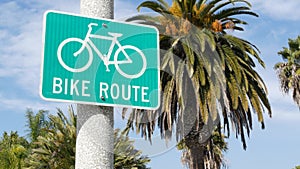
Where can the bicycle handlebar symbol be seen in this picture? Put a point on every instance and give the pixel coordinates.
(89, 45)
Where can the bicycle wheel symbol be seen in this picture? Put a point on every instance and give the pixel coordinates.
(137, 65)
(69, 47)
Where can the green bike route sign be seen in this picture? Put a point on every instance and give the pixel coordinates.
(99, 61)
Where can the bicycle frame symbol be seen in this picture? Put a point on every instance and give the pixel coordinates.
(88, 44)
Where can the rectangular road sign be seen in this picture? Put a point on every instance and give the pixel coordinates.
(99, 61)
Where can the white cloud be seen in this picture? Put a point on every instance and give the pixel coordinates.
(10, 14)
(21, 33)
(124, 10)
(20, 104)
(277, 9)
(284, 110)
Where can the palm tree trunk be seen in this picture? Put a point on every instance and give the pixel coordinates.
(192, 127)
(197, 155)
(197, 134)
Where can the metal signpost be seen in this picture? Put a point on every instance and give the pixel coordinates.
(100, 61)
(95, 124)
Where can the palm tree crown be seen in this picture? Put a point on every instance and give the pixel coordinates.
(289, 70)
(193, 40)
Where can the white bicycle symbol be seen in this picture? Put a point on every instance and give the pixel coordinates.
(88, 44)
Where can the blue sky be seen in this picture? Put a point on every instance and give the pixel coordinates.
(276, 147)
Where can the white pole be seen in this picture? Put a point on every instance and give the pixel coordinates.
(95, 130)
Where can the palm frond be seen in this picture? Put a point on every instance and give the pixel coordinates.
(157, 7)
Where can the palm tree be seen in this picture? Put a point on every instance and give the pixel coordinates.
(205, 73)
(56, 148)
(35, 123)
(289, 70)
(13, 151)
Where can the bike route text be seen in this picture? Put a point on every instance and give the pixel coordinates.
(115, 91)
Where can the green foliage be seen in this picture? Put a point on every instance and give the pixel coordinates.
(297, 167)
(52, 145)
(54, 148)
(288, 71)
(35, 123)
(125, 155)
(13, 151)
